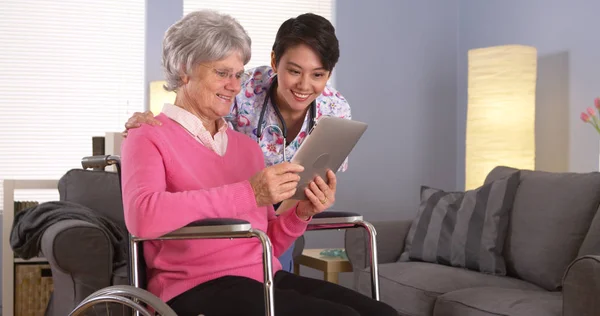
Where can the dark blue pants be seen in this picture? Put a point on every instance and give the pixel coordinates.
(286, 259)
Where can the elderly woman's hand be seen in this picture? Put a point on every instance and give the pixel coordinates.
(276, 183)
(320, 196)
(139, 118)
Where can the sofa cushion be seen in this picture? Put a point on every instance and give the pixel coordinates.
(488, 301)
(550, 218)
(463, 229)
(412, 287)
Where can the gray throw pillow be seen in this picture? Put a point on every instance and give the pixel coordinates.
(463, 229)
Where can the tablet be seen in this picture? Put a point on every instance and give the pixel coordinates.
(326, 147)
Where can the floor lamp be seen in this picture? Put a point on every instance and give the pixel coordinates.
(501, 110)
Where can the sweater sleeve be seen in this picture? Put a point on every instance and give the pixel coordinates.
(150, 210)
(284, 229)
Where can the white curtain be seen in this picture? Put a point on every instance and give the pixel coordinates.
(69, 70)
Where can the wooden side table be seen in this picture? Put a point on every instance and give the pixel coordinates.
(331, 266)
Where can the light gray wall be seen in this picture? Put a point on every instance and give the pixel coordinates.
(398, 72)
(566, 36)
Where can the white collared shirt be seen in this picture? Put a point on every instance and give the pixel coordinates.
(194, 126)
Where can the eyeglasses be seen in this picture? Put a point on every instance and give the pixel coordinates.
(225, 74)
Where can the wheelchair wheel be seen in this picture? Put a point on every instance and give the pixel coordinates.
(122, 300)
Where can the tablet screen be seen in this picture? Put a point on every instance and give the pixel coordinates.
(326, 148)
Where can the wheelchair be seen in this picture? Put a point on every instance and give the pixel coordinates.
(134, 299)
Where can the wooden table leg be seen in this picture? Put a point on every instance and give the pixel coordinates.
(296, 268)
(331, 277)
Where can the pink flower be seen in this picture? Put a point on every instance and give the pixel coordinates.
(589, 116)
(591, 111)
(243, 121)
(249, 92)
(301, 137)
(585, 117)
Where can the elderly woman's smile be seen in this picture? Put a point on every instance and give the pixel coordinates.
(225, 98)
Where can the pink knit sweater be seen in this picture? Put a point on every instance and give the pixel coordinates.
(171, 180)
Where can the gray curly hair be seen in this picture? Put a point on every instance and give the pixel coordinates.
(201, 36)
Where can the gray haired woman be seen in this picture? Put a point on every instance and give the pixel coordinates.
(194, 167)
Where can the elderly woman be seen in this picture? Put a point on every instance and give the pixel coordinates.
(278, 104)
(193, 167)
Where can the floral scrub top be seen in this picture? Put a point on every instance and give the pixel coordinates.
(248, 104)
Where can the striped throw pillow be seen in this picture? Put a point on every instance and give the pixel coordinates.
(463, 229)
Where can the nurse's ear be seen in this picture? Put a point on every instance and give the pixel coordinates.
(273, 62)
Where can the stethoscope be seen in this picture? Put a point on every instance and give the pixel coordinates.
(283, 130)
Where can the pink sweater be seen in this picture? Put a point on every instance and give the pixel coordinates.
(171, 180)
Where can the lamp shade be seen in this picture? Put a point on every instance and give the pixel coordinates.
(159, 96)
(501, 110)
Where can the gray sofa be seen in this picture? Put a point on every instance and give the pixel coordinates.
(552, 254)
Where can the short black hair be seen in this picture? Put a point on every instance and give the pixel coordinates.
(310, 29)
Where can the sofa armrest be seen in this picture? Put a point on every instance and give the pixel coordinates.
(80, 255)
(581, 287)
(390, 243)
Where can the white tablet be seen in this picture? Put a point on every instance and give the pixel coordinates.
(326, 147)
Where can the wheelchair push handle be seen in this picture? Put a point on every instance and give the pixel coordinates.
(100, 162)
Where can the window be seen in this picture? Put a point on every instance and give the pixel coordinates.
(262, 18)
(69, 70)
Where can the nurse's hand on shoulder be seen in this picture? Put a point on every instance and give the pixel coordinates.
(275, 183)
(139, 118)
(321, 196)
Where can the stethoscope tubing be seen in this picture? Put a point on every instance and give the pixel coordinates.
(283, 129)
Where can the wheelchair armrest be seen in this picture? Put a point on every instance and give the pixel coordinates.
(212, 226)
(333, 219)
